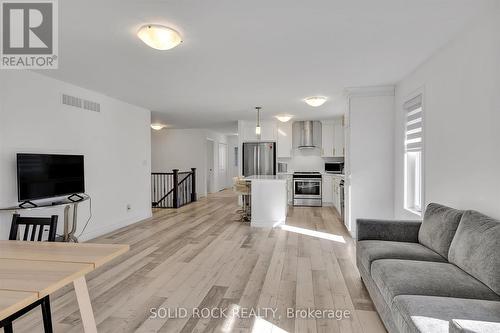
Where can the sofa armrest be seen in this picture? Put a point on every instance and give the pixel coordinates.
(388, 230)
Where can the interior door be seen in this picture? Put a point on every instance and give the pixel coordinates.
(210, 166)
(222, 179)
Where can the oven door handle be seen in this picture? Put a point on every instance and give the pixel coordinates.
(308, 186)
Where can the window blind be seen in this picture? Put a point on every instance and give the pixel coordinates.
(414, 122)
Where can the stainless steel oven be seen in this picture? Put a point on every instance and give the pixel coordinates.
(307, 189)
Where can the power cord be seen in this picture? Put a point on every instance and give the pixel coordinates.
(90, 216)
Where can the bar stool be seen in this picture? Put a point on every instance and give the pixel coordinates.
(242, 188)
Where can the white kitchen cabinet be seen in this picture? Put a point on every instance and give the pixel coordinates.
(284, 140)
(327, 188)
(289, 187)
(268, 130)
(338, 140)
(336, 192)
(327, 138)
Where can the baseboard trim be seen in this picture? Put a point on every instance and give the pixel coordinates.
(91, 234)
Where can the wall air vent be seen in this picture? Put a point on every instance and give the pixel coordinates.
(81, 103)
(92, 106)
(72, 101)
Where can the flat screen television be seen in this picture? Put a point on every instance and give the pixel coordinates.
(42, 176)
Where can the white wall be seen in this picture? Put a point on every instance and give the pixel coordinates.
(461, 86)
(184, 149)
(179, 149)
(115, 143)
(369, 169)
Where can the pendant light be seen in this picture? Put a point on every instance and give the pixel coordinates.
(257, 128)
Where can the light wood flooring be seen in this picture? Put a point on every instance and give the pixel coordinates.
(198, 256)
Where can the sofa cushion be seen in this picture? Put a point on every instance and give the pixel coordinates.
(476, 248)
(474, 326)
(438, 228)
(368, 251)
(396, 277)
(430, 314)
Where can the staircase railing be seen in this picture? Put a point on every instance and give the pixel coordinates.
(173, 189)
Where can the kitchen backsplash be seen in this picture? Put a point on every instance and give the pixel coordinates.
(308, 160)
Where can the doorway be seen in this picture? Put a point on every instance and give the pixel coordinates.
(222, 179)
(210, 166)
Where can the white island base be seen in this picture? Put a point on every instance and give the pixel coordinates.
(269, 201)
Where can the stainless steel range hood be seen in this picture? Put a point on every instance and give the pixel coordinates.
(306, 135)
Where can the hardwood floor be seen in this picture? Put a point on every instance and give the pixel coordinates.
(199, 257)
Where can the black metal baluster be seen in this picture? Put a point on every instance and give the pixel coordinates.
(193, 185)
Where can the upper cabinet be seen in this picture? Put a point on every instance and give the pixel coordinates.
(332, 135)
(328, 135)
(268, 131)
(284, 140)
(339, 138)
(327, 138)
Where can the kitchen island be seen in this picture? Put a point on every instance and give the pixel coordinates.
(269, 200)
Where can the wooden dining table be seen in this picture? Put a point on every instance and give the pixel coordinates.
(30, 271)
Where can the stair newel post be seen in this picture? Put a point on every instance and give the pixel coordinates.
(193, 185)
(176, 188)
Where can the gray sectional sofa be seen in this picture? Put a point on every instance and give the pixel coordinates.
(438, 275)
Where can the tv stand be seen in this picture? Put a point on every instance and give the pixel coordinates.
(75, 197)
(25, 203)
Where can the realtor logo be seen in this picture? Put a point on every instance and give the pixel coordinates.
(29, 34)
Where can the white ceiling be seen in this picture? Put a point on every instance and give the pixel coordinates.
(239, 54)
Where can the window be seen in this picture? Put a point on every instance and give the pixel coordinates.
(413, 155)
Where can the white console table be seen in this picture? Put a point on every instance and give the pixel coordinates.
(69, 230)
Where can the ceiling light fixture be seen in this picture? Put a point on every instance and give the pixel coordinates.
(315, 100)
(157, 127)
(257, 127)
(159, 37)
(284, 118)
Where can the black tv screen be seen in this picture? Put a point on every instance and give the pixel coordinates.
(44, 176)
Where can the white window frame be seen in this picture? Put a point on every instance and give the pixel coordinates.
(414, 200)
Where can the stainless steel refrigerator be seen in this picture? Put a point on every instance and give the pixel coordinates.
(259, 158)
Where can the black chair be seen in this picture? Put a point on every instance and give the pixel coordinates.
(33, 224)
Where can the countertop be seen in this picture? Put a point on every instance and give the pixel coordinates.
(265, 177)
(340, 175)
(323, 173)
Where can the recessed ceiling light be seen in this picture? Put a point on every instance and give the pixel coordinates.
(315, 100)
(159, 37)
(283, 118)
(157, 127)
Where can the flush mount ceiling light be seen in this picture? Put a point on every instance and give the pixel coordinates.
(315, 100)
(284, 118)
(157, 127)
(159, 37)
